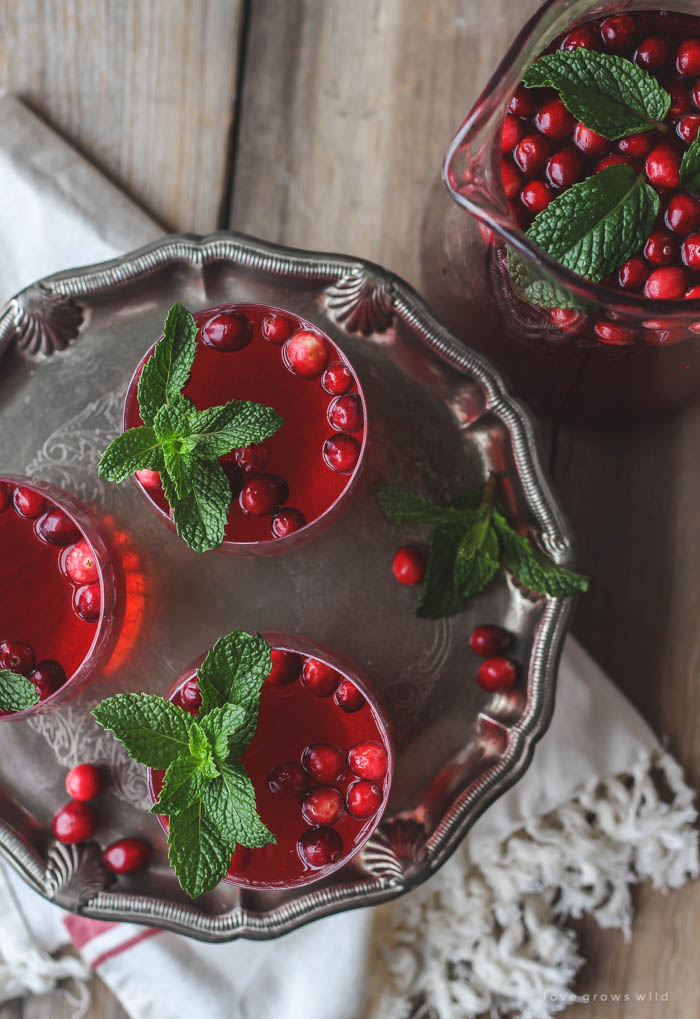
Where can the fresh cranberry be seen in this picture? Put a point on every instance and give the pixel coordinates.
(615, 334)
(234, 474)
(345, 413)
(522, 103)
(488, 640)
(341, 452)
(536, 196)
(564, 168)
(240, 860)
(322, 805)
(306, 354)
(79, 564)
(17, 656)
(589, 142)
(286, 666)
(286, 521)
(663, 333)
(554, 120)
(29, 503)
(666, 284)
(632, 275)
(5, 496)
(512, 181)
(364, 799)
(653, 52)
(663, 166)
(619, 33)
(511, 134)
(149, 479)
(680, 99)
(262, 494)
(687, 128)
(319, 847)
(568, 319)
(325, 764)
(531, 154)
(56, 528)
(48, 677)
(348, 697)
(288, 778)
(228, 331)
(409, 565)
(695, 92)
(189, 696)
(683, 214)
(660, 248)
(497, 674)
(582, 37)
(83, 782)
(614, 159)
(688, 58)
(368, 760)
(691, 251)
(320, 678)
(74, 822)
(337, 379)
(87, 602)
(636, 145)
(693, 295)
(126, 856)
(277, 328)
(252, 459)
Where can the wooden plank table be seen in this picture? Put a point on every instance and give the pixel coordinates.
(323, 124)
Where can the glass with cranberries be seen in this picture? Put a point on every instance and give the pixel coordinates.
(627, 345)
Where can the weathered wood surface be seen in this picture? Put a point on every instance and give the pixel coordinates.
(343, 117)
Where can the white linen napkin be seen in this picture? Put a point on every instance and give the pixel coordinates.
(601, 807)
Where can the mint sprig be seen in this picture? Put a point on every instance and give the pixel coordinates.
(609, 94)
(690, 167)
(182, 443)
(469, 546)
(594, 227)
(206, 793)
(17, 693)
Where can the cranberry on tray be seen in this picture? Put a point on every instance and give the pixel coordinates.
(321, 766)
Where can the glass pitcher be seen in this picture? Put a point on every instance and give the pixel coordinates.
(552, 357)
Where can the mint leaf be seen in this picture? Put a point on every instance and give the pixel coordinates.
(690, 167)
(534, 287)
(440, 596)
(154, 731)
(531, 568)
(407, 508)
(609, 94)
(175, 420)
(17, 693)
(137, 449)
(229, 802)
(185, 781)
(218, 430)
(201, 511)
(202, 751)
(226, 730)
(595, 226)
(167, 370)
(233, 672)
(179, 467)
(477, 559)
(197, 853)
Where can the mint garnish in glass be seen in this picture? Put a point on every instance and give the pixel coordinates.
(17, 693)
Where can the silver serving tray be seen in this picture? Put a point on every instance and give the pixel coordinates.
(440, 421)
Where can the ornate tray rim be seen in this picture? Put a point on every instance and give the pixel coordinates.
(363, 297)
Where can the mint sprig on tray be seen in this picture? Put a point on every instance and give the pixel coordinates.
(182, 443)
(17, 693)
(207, 794)
(471, 541)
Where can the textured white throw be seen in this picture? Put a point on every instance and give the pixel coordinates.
(601, 807)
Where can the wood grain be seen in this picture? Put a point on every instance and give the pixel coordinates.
(147, 90)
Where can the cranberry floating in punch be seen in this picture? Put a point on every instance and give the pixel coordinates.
(286, 767)
(578, 277)
(245, 429)
(58, 596)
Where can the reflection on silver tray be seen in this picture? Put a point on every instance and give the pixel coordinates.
(441, 421)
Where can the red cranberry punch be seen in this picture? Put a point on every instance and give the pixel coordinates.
(581, 165)
(265, 417)
(289, 761)
(58, 595)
